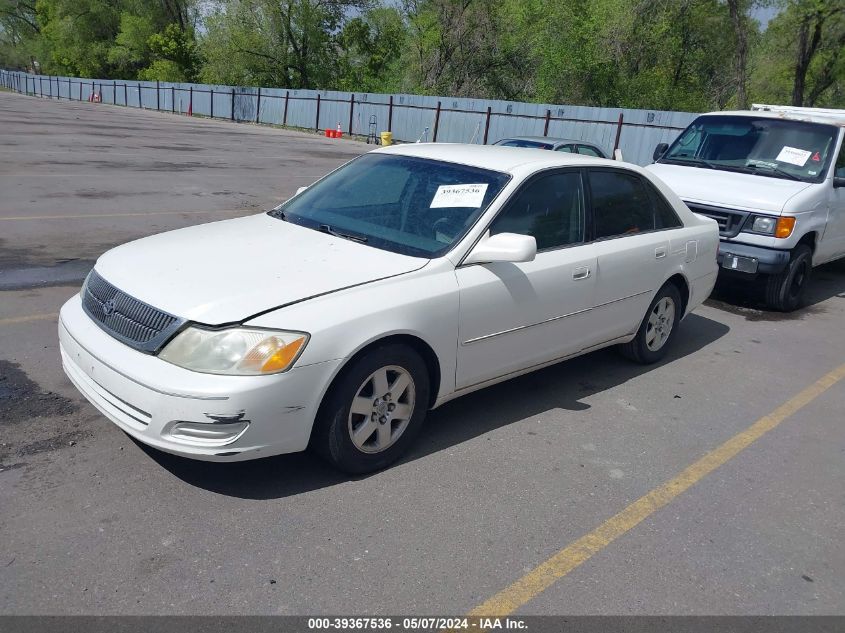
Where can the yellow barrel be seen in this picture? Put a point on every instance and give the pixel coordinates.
(387, 138)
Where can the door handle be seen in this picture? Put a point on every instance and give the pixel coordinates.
(660, 252)
(582, 272)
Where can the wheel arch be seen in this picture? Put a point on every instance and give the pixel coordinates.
(681, 283)
(420, 346)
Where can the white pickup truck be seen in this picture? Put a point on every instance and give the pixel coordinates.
(773, 177)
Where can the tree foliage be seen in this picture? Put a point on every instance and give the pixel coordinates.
(660, 54)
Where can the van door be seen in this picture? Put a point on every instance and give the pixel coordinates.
(832, 244)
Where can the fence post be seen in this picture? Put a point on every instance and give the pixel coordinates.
(390, 115)
(140, 101)
(69, 95)
(317, 122)
(546, 126)
(211, 93)
(487, 125)
(173, 98)
(114, 93)
(190, 101)
(41, 87)
(125, 95)
(158, 96)
(618, 134)
(436, 123)
(233, 104)
(258, 106)
(58, 90)
(285, 117)
(351, 108)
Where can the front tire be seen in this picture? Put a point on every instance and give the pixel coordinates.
(374, 410)
(657, 329)
(785, 291)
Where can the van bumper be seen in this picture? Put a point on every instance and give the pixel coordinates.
(750, 260)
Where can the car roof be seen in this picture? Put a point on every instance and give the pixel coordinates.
(497, 157)
(793, 115)
(550, 140)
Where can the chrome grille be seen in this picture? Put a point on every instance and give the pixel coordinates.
(730, 221)
(127, 319)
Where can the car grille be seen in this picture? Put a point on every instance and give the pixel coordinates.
(730, 220)
(125, 318)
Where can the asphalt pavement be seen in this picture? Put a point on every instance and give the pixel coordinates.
(501, 481)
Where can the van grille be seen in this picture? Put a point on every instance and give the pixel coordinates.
(125, 318)
(730, 221)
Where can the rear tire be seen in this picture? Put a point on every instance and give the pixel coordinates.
(373, 411)
(785, 291)
(657, 329)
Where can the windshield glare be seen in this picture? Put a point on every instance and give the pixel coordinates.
(403, 204)
(767, 147)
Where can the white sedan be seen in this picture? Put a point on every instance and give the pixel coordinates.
(408, 277)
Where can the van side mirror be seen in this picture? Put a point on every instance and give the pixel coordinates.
(838, 181)
(659, 150)
(503, 247)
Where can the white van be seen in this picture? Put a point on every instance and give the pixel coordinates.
(773, 177)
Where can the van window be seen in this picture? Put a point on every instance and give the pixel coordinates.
(839, 169)
(775, 148)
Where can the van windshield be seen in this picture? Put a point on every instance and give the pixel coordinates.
(776, 148)
(408, 205)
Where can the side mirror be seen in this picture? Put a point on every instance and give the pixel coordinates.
(838, 181)
(300, 190)
(503, 247)
(659, 150)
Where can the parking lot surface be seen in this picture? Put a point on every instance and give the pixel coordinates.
(501, 481)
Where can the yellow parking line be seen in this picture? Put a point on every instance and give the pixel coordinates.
(32, 317)
(123, 215)
(544, 575)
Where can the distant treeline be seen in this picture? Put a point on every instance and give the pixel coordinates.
(691, 55)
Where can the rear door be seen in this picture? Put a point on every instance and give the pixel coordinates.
(637, 237)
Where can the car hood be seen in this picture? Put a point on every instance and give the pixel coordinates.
(227, 271)
(728, 189)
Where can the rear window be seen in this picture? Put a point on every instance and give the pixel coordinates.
(522, 143)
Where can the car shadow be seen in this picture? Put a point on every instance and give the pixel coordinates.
(564, 386)
(747, 299)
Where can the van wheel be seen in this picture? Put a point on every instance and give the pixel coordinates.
(657, 328)
(785, 291)
(373, 411)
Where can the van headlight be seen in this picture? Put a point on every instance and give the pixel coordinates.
(237, 351)
(766, 225)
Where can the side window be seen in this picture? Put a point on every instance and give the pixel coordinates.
(839, 170)
(551, 208)
(621, 204)
(664, 215)
(589, 151)
(569, 149)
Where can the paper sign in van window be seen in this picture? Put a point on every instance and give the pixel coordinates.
(471, 196)
(793, 155)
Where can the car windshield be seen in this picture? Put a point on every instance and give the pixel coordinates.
(407, 205)
(515, 142)
(777, 148)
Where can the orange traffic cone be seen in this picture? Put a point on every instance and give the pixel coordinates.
(338, 132)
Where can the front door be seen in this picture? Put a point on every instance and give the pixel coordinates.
(517, 315)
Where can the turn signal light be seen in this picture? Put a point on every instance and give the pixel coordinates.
(784, 227)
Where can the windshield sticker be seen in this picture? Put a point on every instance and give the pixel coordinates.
(458, 196)
(816, 158)
(793, 155)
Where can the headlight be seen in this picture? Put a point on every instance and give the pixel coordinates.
(235, 351)
(764, 225)
(779, 227)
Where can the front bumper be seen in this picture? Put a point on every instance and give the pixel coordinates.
(748, 259)
(202, 416)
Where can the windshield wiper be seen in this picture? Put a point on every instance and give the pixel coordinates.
(325, 228)
(762, 167)
(278, 214)
(696, 162)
